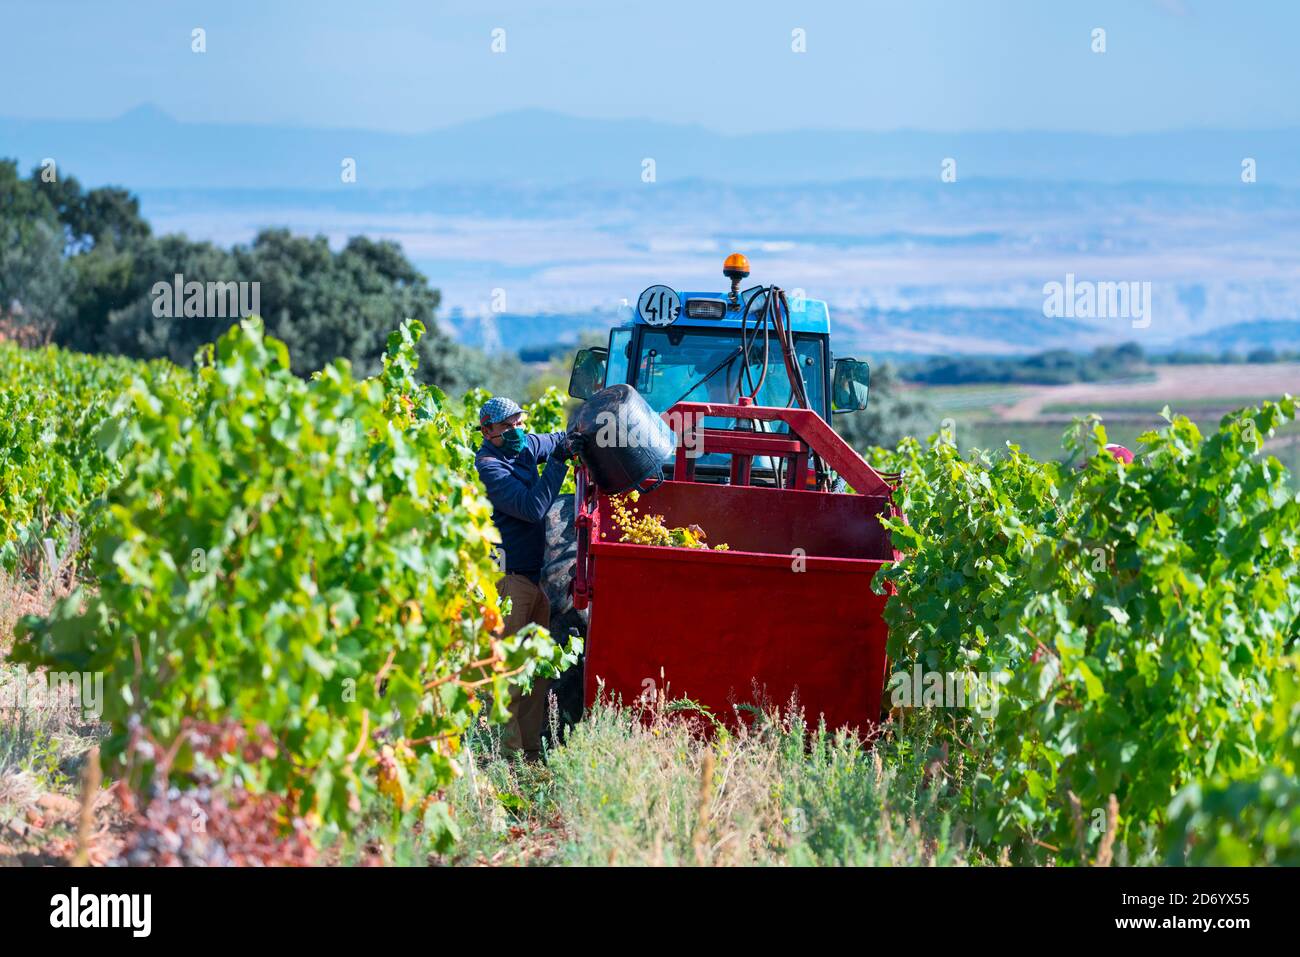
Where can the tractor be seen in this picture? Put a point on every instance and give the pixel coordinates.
(786, 615)
(687, 346)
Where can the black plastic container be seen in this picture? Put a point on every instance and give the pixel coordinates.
(627, 442)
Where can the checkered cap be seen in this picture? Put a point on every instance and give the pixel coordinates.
(497, 409)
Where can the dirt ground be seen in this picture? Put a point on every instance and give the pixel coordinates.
(1171, 383)
(46, 812)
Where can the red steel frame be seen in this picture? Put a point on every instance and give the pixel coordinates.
(717, 622)
(807, 431)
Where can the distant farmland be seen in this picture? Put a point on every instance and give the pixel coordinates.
(1034, 417)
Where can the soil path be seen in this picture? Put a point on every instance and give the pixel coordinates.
(1270, 380)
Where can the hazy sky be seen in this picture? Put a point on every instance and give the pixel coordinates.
(924, 64)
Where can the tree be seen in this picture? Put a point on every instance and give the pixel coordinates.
(138, 329)
(80, 267)
(108, 215)
(35, 281)
(100, 232)
(324, 305)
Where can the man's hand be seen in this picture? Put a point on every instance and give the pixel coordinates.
(574, 443)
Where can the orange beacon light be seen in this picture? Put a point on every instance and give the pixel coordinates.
(735, 268)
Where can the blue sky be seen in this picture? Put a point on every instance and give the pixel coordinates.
(943, 65)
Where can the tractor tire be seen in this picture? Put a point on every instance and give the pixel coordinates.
(566, 621)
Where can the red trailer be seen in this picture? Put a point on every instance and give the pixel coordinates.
(787, 611)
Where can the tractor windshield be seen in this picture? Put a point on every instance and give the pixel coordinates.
(675, 365)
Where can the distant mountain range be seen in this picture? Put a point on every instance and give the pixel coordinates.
(146, 148)
(909, 268)
(902, 335)
(1242, 337)
(536, 226)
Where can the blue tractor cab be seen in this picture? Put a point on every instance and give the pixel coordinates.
(719, 346)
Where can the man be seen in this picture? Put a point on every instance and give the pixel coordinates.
(507, 463)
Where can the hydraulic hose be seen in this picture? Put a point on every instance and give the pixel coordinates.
(774, 316)
(747, 340)
(798, 390)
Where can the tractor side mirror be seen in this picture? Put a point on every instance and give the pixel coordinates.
(588, 375)
(850, 386)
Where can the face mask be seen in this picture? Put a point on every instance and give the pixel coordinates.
(513, 441)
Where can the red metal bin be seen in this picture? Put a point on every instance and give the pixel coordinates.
(787, 610)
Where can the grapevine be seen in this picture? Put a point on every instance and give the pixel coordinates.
(312, 557)
(1133, 616)
(293, 587)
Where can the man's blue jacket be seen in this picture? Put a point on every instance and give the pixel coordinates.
(521, 498)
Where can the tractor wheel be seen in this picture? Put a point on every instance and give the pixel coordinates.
(557, 577)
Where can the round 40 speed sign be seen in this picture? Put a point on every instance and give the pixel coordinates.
(659, 306)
